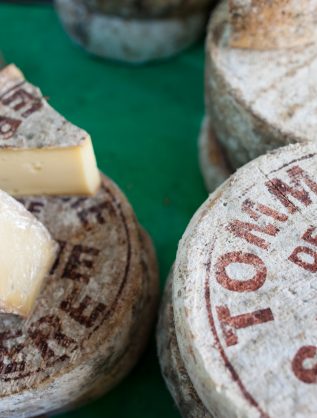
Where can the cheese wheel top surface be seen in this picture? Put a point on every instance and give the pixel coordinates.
(245, 290)
(276, 89)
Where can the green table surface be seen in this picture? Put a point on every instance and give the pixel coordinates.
(144, 122)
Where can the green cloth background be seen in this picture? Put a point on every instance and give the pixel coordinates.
(144, 122)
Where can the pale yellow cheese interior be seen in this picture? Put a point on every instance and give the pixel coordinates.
(57, 171)
(27, 252)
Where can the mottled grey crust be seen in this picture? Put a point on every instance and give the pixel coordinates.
(148, 8)
(145, 315)
(258, 100)
(240, 370)
(133, 40)
(27, 120)
(243, 135)
(172, 365)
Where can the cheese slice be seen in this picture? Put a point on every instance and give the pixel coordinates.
(27, 252)
(262, 24)
(40, 152)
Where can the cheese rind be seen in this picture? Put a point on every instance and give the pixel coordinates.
(258, 100)
(172, 365)
(244, 290)
(27, 252)
(130, 38)
(262, 24)
(40, 152)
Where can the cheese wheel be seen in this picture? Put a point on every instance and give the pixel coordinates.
(244, 290)
(172, 365)
(258, 100)
(213, 163)
(93, 317)
(135, 39)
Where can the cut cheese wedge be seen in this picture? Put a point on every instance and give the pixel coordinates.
(40, 152)
(27, 252)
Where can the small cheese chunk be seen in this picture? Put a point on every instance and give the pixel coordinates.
(40, 152)
(27, 252)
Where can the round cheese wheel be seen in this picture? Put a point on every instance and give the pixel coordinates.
(213, 163)
(130, 39)
(93, 317)
(244, 291)
(258, 100)
(172, 365)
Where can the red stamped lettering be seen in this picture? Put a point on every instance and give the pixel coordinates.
(235, 285)
(304, 374)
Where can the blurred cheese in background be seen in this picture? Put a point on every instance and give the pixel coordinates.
(134, 31)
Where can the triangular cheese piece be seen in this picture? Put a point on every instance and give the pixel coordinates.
(40, 151)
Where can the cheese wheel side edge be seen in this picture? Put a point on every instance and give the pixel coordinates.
(172, 366)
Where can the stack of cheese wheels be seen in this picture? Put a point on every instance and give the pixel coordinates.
(237, 334)
(93, 316)
(261, 75)
(134, 30)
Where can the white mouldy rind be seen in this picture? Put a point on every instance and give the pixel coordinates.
(258, 100)
(243, 294)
